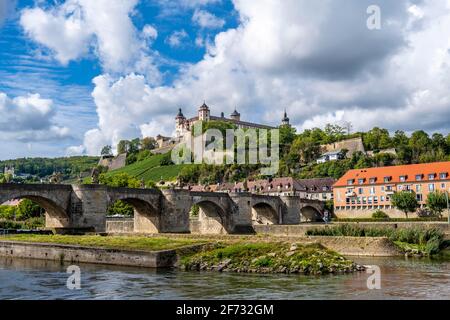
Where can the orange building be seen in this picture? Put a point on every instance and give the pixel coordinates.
(362, 191)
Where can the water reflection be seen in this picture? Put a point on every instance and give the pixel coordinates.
(401, 279)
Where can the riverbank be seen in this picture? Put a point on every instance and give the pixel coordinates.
(240, 255)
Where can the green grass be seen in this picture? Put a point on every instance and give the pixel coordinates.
(150, 170)
(272, 256)
(109, 242)
(428, 240)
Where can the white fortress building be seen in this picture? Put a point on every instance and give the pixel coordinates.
(184, 125)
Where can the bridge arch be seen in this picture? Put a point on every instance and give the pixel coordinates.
(55, 214)
(212, 217)
(264, 213)
(147, 217)
(311, 213)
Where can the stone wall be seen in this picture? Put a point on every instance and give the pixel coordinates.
(125, 225)
(76, 254)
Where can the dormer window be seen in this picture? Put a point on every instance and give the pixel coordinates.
(387, 179)
(431, 176)
(403, 178)
(419, 177)
(361, 181)
(443, 175)
(350, 182)
(372, 180)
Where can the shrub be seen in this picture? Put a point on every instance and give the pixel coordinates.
(381, 215)
(121, 208)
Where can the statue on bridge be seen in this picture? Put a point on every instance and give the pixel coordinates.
(95, 173)
(55, 178)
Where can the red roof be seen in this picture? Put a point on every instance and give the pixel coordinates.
(394, 173)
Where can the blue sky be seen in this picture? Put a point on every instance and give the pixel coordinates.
(77, 74)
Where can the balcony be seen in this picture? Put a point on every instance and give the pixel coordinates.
(351, 194)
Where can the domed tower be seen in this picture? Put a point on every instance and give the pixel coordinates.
(235, 115)
(285, 120)
(203, 113)
(180, 123)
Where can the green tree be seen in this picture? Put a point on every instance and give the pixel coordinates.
(306, 148)
(121, 208)
(28, 209)
(405, 201)
(377, 139)
(106, 151)
(419, 143)
(148, 143)
(123, 146)
(122, 180)
(334, 132)
(437, 202)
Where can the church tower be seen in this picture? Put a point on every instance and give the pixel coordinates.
(204, 113)
(235, 115)
(285, 120)
(180, 123)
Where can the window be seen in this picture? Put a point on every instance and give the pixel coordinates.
(382, 198)
(443, 186)
(403, 178)
(419, 177)
(419, 197)
(373, 180)
(418, 188)
(382, 188)
(350, 182)
(360, 191)
(361, 181)
(400, 187)
(372, 190)
(443, 175)
(387, 179)
(431, 187)
(431, 176)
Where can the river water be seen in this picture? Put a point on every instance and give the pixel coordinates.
(400, 279)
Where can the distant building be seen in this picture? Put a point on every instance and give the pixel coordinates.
(362, 191)
(333, 151)
(331, 156)
(10, 171)
(184, 125)
(318, 188)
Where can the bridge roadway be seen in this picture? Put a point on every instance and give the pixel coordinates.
(162, 211)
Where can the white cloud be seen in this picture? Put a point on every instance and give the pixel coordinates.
(177, 38)
(29, 118)
(149, 32)
(206, 19)
(299, 55)
(77, 27)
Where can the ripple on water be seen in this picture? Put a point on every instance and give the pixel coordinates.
(401, 279)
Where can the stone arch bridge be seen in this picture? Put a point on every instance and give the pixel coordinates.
(165, 211)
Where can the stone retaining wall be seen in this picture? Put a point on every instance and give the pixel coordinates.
(75, 254)
(359, 246)
(125, 225)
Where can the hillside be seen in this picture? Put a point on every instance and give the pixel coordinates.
(150, 170)
(69, 167)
